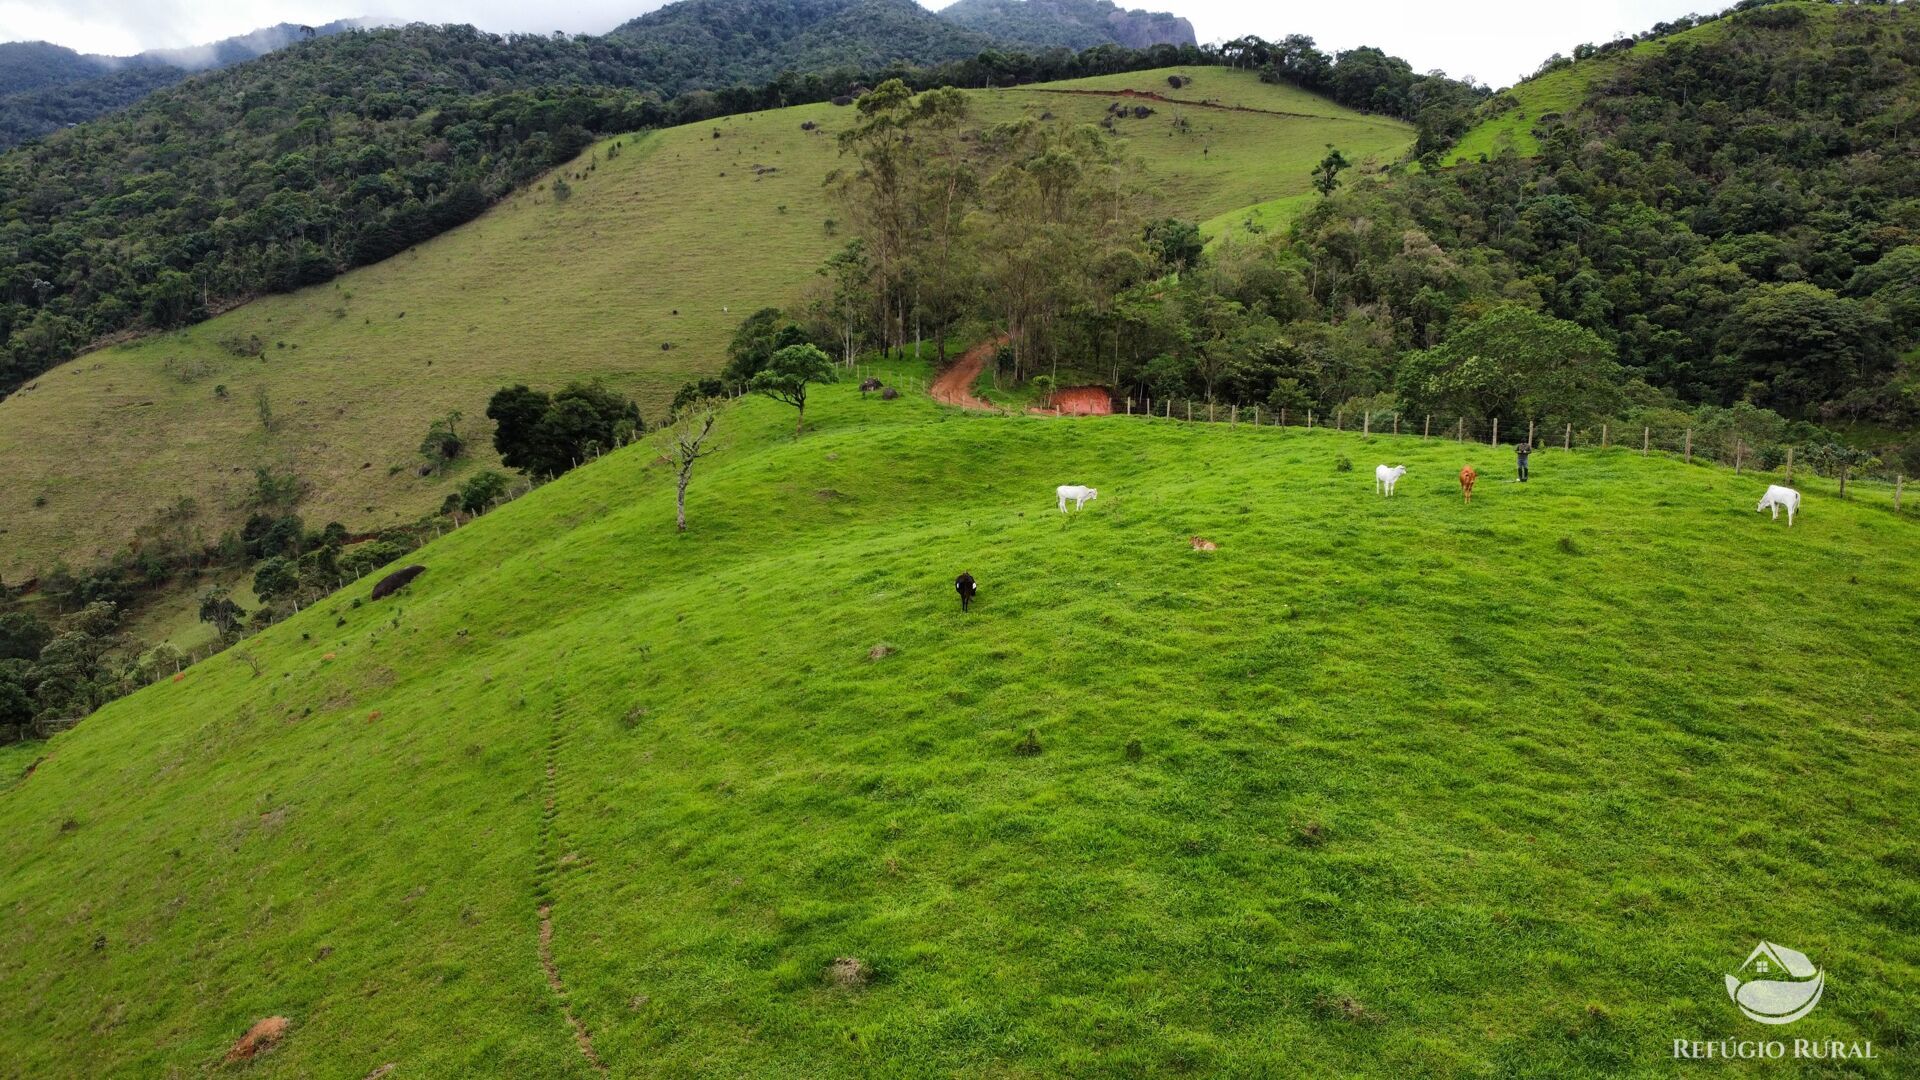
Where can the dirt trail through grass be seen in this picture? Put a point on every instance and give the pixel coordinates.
(954, 386)
(552, 861)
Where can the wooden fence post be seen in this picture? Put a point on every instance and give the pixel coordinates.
(1396, 423)
(1309, 419)
(1529, 433)
(1689, 446)
(1495, 440)
(1789, 464)
(1737, 447)
(1340, 419)
(1427, 429)
(1189, 410)
(1129, 405)
(1283, 416)
(1603, 436)
(1568, 445)
(1899, 482)
(1461, 435)
(1646, 439)
(1256, 416)
(1366, 423)
(1233, 415)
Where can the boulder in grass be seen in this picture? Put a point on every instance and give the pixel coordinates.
(397, 580)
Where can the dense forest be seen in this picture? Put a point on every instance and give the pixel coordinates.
(1069, 24)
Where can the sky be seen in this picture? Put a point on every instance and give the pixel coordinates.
(1494, 41)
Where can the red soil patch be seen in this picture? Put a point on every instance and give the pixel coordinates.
(259, 1037)
(954, 386)
(1080, 401)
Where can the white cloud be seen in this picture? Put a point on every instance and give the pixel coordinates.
(1496, 41)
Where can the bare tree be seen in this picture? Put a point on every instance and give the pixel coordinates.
(683, 441)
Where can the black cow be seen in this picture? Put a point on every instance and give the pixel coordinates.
(964, 586)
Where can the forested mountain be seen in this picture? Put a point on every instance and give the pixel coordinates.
(708, 44)
(46, 87)
(1072, 24)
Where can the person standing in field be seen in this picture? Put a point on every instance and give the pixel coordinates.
(1520, 453)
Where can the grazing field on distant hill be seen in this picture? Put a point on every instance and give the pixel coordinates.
(1378, 788)
(639, 277)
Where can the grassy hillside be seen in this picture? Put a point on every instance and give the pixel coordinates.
(639, 277)
(1419, 788)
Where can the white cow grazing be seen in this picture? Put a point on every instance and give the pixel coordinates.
(1384, 478)
(1778, 497)
(1078, 494)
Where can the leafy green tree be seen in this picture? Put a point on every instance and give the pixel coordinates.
(1839, 460)
(481, 491)
(1796, 345)
(443, 444)
(218, 610)
(545, 436)
(22, 635)
(758, 337)
(516, 412)
(694, 392)
(1043, 387)
(1326, 175)
(789, 373)
(1175, 244)
(18, 680)
(1514, 363)
(275, 577)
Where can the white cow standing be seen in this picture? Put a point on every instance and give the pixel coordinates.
(1778, 498)
(1080, 495)
(1384, 478)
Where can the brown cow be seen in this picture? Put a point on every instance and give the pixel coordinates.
(1467, 477)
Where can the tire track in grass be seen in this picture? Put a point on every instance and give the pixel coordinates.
(552, 860)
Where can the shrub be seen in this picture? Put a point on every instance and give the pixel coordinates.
(1342, 464)
(481, 491)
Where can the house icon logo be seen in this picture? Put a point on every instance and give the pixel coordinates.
(1776, 985)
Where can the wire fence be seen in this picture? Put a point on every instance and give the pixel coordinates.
(1785, 461)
